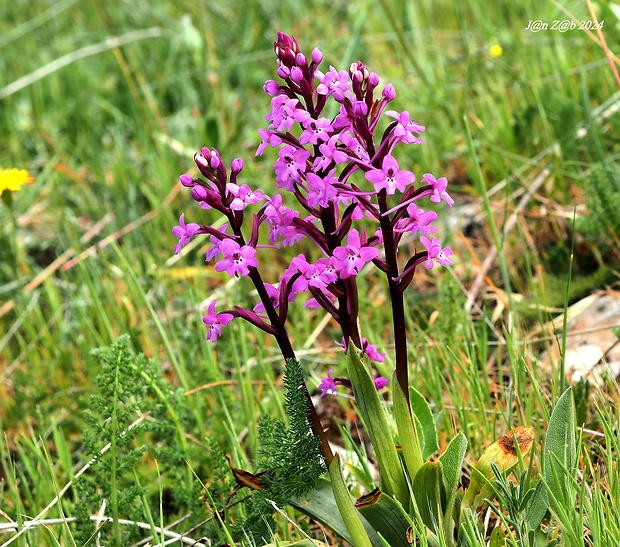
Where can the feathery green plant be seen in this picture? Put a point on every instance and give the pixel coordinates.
(136, 416)
(289, 454)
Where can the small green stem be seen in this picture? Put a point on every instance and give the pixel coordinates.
(116, 527)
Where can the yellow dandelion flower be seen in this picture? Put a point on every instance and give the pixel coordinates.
(12, 179)
(496, 50)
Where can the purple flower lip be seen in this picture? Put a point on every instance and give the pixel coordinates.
(185, 233)
(215, 322)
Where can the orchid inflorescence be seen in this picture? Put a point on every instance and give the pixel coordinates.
(339, 176)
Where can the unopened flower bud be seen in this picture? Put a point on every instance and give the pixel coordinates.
(201, 161)
(206, 153)
(236, 166)
(297, 75)
(284, 72)
(186, 180)
(317, 56)
(360, 109)
(215, 159)
(286, 49)
(388, 92)
(358, 66)
(272, 88)
(373, 79)
(199, 193)
(301, 60)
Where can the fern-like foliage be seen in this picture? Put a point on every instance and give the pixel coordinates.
(136, 417)
(109, 440)
(290, 456)
(603, 200)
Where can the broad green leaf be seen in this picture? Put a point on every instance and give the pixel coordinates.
(428, 431)
(537, 507)
(386, 516)
(560, 455)
(393, 481)
(350, 515)
(430, 494)
(320, 505)
(407, 431)
(452, 461)
(498, 537)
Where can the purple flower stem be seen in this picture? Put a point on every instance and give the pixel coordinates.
(396, 297)
(349, 310)
(284, 343)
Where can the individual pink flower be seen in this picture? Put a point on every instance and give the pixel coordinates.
(274, 296)
(355, 146)
(215, 322)
(380, 382)
(244, 196)
(268, 138)
(418, 220)
(280, 220)
(372, 352)
(285, 113)
(185, 233)
(435, 252)
(321, 190)
(389, 177)
(367, 349)
(352, 257)
(406, 127)
(214, 252)
(333, 83)
(288, 165)
(328, 384)
(237, 260)
(439, 189)
(315, 131)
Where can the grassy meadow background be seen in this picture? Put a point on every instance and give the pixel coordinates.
(104, 103)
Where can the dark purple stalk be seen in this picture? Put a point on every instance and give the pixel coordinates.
(396, 297)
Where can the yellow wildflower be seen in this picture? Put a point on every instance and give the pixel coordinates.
(496, 50)
(12, 179)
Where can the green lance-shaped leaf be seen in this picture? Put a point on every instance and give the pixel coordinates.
(320, 504)
(430, 494)
(428, 430)
(393, 481)
(386, 516)
(560, 456)
(452, 461)
(348, 512)
(537, 507)
(407, 430)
